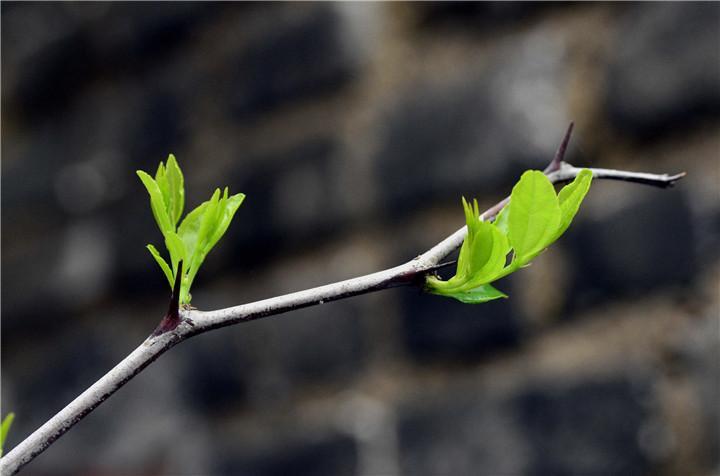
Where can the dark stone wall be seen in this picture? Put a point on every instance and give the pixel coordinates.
(354, 129)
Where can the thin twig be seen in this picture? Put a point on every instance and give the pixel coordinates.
(195, 322)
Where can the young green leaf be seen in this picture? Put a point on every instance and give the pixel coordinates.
(495, 263)
(501, 220)
(482, 258)
(477, 247)
(208, 222)
(163, 264)
(205, 228)
(570, 198)
(175, 246)
(176, 189)
(157, 203)
(190, 227)
(228, 207)
(478, 295)
(488, 248)
(4, 429)
(534, 216)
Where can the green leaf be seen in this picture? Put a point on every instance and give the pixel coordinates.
(207, 217)
(189, 228)
(500, 248)
(157, 203)
(163, 186)
(4, 429)
(209, 222)
(227, 209)
(163, 264)
(176, 189)
(170, 181)
(478, 295)
(474, 251)
(534, 216)
(175, 246)
(570, 198)
(488, 251)
(501, 220)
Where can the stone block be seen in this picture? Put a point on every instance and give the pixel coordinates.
(332, 454)
(581, 426)
(587, 427)
(646, 244)
(440, 328)
(663, 74)
(303, 55)
(474, 131)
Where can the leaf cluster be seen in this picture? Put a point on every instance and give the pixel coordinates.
(199, 231)
(533, 219)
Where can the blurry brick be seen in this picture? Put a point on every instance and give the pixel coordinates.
(476, 131)
(441, 328)
(64, 362)
(47, 55)
(131, 36)
(478, 16)
(645, 245)
(281, 214)
(215, 371)
(664, 68)
(162, 112)
(577, 427)
(584, 428)
(320, 344)
(699, 358)
(293, 60)
(320, 455)
(459, 433)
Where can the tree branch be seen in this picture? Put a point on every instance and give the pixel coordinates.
(195, 322)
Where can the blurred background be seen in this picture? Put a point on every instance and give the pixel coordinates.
(354, 129)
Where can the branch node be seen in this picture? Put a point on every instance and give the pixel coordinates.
(172, 318)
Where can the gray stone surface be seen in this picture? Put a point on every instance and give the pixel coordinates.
(619, 254)
(664, 70)
(576, 427)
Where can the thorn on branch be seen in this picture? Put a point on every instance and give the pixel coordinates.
(440, 266)
(560, 154)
